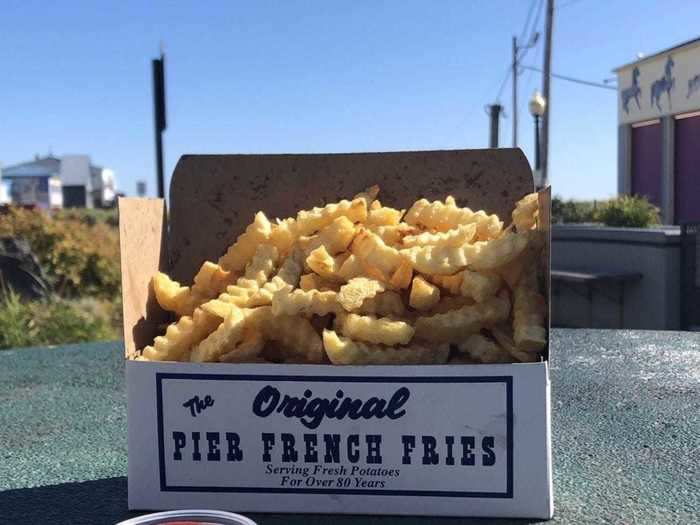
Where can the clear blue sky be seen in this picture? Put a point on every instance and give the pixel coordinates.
(304, 76)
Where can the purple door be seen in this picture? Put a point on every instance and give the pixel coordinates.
(687, 138)
(646, 162)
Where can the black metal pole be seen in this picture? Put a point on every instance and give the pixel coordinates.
(159, 118)
(537, 142)
(159, 163)
(495, 114)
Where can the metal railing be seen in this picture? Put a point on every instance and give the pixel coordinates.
(690, 276)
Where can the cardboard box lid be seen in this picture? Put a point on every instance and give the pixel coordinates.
(214, 197)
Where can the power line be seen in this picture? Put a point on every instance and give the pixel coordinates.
(527, 20)
(567, 4)
(572, 79)
(503, 84)
(533, 30)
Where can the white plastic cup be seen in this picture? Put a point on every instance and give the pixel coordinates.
(201, 517)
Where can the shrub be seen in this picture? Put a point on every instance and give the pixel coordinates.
(628, 211)
(54, 322)
(572, 211)
(78, 258)
(90, 216)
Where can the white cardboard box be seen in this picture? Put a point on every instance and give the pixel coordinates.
(453, 440)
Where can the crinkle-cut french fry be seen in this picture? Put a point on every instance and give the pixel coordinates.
(443, 216)
(336, 237)
(369, 195)
(529, 307)
(324, 264)
(392, 234)
(218, 308)
(504, 335)
(482, 255)
(438, 260)
(313, 281)
(180, 336)
(450, 283)
(223, 339)
(263, 264)
(512, 271)
(356, 291)
(456, 237)
(455, 325)
(351, 267)
(313, 302)
(451, 302)
(526, 212)
(172, 296)
(172, 345)
(384, 216)
(423, 294)
(297, 336)
(479, 286)
(384, 304)
(211, 280)
(402, 276)
(310, 221)
(283, 235)
(483, 350)
(239, 253)
(286, 279)
(370, 329)
(245, 292)
(345, 351)
(247, 350)
(372, 251)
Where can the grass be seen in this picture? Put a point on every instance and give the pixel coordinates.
(55, 322)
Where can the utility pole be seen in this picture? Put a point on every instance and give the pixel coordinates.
(158, 65)
(514, 111)
(546, 74)
(495, 115)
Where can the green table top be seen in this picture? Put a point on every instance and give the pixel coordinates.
(626, 433)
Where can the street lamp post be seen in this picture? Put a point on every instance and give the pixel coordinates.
(537, 106)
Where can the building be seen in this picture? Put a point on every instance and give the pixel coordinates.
(659, 131)
(70, 181)
(4, 190)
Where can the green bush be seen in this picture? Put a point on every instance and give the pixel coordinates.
(55, 322)
(628, 211)
(90, 216)
(79, 258)
(572, 211)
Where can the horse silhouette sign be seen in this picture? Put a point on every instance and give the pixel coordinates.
(663, 84)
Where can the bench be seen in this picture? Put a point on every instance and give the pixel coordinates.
(590, 280)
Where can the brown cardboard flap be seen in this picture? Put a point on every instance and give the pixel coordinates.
(214, 197)
(142, 242)
(544, 223)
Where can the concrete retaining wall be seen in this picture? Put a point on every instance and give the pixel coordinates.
(650, 303)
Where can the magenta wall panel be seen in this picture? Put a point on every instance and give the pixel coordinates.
(687, 168)
(646, 162)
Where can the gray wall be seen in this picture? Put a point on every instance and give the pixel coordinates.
(651, 303)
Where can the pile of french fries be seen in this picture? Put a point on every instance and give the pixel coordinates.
(359, 283)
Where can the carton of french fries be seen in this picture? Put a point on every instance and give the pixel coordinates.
(307, 333)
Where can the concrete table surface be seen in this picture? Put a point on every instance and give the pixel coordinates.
(626, 433)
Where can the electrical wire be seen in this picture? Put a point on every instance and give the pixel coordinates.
(566, 4)
(572, 79)
(533, 3)
(533, 30)
(509, 70)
